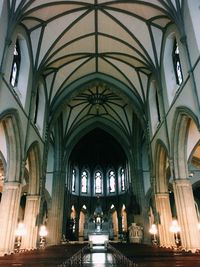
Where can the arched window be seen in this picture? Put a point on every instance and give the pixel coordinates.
(122, 176)
(84, 182)
(112, 182)
(73, 180)
(15, 65)
(20, 68)
(177, 64)
(98, 183)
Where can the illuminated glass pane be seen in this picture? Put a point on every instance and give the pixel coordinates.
(177, 64)
(122, 180)
(112, 181)
(179, 73)
(14, 74)
(84, 179)
(73, 180)
(98, 183)
(15, 65)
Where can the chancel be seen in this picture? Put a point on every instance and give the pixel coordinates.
(98, 218)
(99, 125)
(99, 230)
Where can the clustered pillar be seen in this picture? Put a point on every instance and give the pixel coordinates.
(186, 213)
(29, 241)
(9, 213)
(166, 238)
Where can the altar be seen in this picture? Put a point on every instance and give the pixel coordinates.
(98, 229)
(98, 238)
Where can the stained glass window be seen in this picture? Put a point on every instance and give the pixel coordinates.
(15, 65)
(98, 183)
(122, 179)
(73, 180)
(112, 184)
(84, 182)
(177, 64)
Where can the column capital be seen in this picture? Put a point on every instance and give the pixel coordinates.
(162, 195)
(11, 185)
(33, 197)
(182, 182)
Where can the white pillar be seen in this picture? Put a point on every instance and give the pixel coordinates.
(166, 238)
(29, 240)
(9, 209)
(186, 213)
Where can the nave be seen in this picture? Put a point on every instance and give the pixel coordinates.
(99, 257)
(116, 254)
(99, 128)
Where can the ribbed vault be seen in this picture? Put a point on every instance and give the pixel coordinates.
(73, 40)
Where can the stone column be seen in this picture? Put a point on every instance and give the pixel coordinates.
(186, 213)
(29, 241)
(166, 238)
(55, 221)
(9, 209)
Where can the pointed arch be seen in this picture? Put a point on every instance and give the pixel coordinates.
(33, 156)
(181, 123)
(11, 125)
(89, 126)
(161, 165)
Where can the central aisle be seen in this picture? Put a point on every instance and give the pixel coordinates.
(98, 257)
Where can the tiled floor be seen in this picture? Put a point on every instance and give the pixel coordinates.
(98, 257)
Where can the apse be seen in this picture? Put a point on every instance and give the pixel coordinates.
(98, 148)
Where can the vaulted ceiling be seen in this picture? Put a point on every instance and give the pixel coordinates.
(74, 43)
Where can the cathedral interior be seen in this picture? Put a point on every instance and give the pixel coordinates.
(99, 122)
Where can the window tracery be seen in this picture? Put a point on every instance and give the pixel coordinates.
(115, 182)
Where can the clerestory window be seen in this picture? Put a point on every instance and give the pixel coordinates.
(84, 182)
(98, 183)
(122, 174)
(73, 180)
(177, 64)
(15, 65)
(112, 183)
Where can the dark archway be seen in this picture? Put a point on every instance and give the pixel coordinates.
(98, 148)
